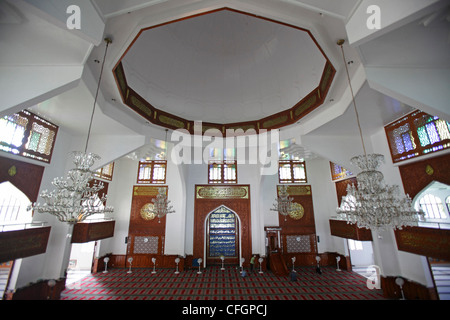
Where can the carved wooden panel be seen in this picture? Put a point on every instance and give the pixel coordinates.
(418, 175)
(92, 231)
(142, 226)
(23, 243)
(302, 220)
(427, 242)
(340, 228)
(210, 197)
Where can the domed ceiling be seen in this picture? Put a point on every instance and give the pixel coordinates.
(226, 68)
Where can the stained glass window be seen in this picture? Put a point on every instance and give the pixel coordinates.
(222, 230)
(152, 172)
(291, 171)
(417, 134)
(339, 172)
(28, 135)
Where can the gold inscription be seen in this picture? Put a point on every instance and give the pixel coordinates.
(222, 192)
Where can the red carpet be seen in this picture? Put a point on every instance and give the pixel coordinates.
(215, 284)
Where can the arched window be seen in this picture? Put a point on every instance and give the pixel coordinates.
(432, 206)
(13, 205)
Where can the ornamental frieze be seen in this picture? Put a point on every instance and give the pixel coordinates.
(221, 192)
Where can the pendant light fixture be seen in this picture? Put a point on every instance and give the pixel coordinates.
(75, 198)
(373, 204)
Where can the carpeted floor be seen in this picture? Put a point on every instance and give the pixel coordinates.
(215, 284)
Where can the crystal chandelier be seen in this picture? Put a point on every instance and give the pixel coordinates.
(75, 198)
(161, 205)
(373, 204)
(283, 203)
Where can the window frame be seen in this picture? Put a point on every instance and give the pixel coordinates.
(22, 149)
(100, 174)
(411, 120)
(292, 164)
(343, 174)
(434, 203)
(152, 164)
(223, 164)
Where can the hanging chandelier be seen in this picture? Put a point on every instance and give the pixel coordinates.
(283, 203)
(75, 198)
(161, 205)
(373, 204)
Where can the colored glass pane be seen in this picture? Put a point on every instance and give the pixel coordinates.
(34, 141)
(432, 132)
(423, 136)
(443, 129)
(399, 144)
(407, 142)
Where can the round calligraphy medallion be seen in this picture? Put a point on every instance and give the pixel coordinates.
(147, 212)
(298, 211)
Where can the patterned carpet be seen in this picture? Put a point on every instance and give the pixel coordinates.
(215, 284)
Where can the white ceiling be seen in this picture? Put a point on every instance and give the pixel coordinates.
(224, 67)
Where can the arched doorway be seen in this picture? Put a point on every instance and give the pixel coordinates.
(222, 237)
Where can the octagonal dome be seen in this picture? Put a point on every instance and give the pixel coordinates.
(225, 68)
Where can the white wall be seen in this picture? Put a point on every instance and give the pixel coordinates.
(175, 222)
(196, 174)
(120, 193)
(324, 202)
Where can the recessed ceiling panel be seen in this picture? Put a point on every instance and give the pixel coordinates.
(225, 67)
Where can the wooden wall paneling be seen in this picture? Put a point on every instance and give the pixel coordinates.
(23, 243)
(142, 226)
(418, 175)
(429, 242)
(38, 291)
(210, 197)
(91, 231)
(340, 228)
(299, 224)
(412, 290)
(303, 223)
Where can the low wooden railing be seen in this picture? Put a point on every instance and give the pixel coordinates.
(93, 230)
(25, 240)
(341, 228)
